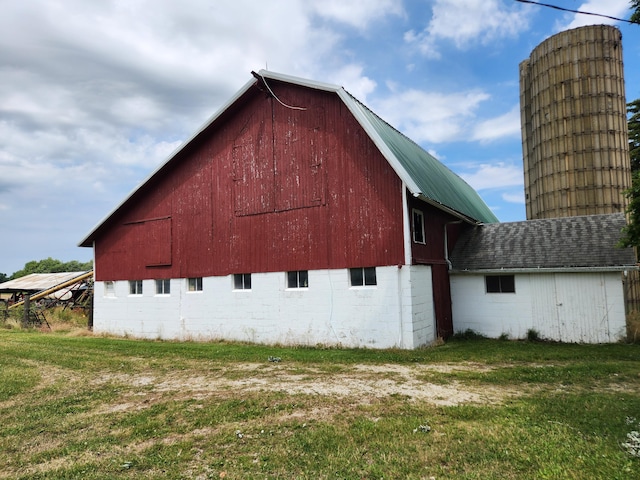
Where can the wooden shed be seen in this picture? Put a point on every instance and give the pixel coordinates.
(294, 215)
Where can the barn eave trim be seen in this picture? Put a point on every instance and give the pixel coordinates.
(510, 271)
(451, 211)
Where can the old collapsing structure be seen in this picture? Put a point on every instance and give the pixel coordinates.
(574, 125)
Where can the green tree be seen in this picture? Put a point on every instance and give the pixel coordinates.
(635, 6)
(631, 233)
(633, 111)
(3, 277)
(50, 265)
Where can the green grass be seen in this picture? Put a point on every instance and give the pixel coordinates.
(82, 407)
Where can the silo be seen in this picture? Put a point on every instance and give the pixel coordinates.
(574, 124)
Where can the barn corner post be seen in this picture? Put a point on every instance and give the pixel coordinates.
(27, 308)
(90, 315)
(4, 315)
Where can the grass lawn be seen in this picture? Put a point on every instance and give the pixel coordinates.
(92, 407)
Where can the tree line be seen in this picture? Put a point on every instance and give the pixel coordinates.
(48, 265)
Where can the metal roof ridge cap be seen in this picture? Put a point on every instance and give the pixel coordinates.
(305, 82)
(170, 157)
(348, 100)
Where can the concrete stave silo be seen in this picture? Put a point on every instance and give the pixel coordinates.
(574, 124)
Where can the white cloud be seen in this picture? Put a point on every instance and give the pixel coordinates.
(435, 154)
(424, 42)
(430, 116)
(466, 23)
(506, 125)
(358, 13)
(123, 82)
(492, 176)
(352, 78)
(612, 8)
(514, 197)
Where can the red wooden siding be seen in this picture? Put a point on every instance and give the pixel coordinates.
(265, 188)
(435, 221)
(152, 238)
(253, 162)
(433, 253)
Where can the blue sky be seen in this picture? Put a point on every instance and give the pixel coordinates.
(95, 95)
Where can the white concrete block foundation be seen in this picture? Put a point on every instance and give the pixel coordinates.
(398, 312)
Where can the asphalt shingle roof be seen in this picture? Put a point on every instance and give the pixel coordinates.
(556, 243)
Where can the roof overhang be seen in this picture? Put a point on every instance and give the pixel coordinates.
(511, 271)
(450, 211)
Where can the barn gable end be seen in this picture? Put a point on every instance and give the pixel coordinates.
(259, 194)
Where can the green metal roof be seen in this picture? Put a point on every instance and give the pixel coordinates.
(430, 179)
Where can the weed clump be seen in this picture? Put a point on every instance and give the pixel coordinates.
(51, 319)
(468, 334)
(533, 335)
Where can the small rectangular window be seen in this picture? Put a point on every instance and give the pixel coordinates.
(135, 287)
(298, 279)
(194, 284)
(163, 287)
(363, 276)
(109, 289)
(242, 281)
(418, 226)
(500, 283)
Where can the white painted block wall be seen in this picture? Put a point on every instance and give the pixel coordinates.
(422, 308)
(566, 307)
(397, 312)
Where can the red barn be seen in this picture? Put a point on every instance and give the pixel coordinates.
(295, 215)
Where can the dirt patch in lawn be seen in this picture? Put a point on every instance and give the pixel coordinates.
(358, 383)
